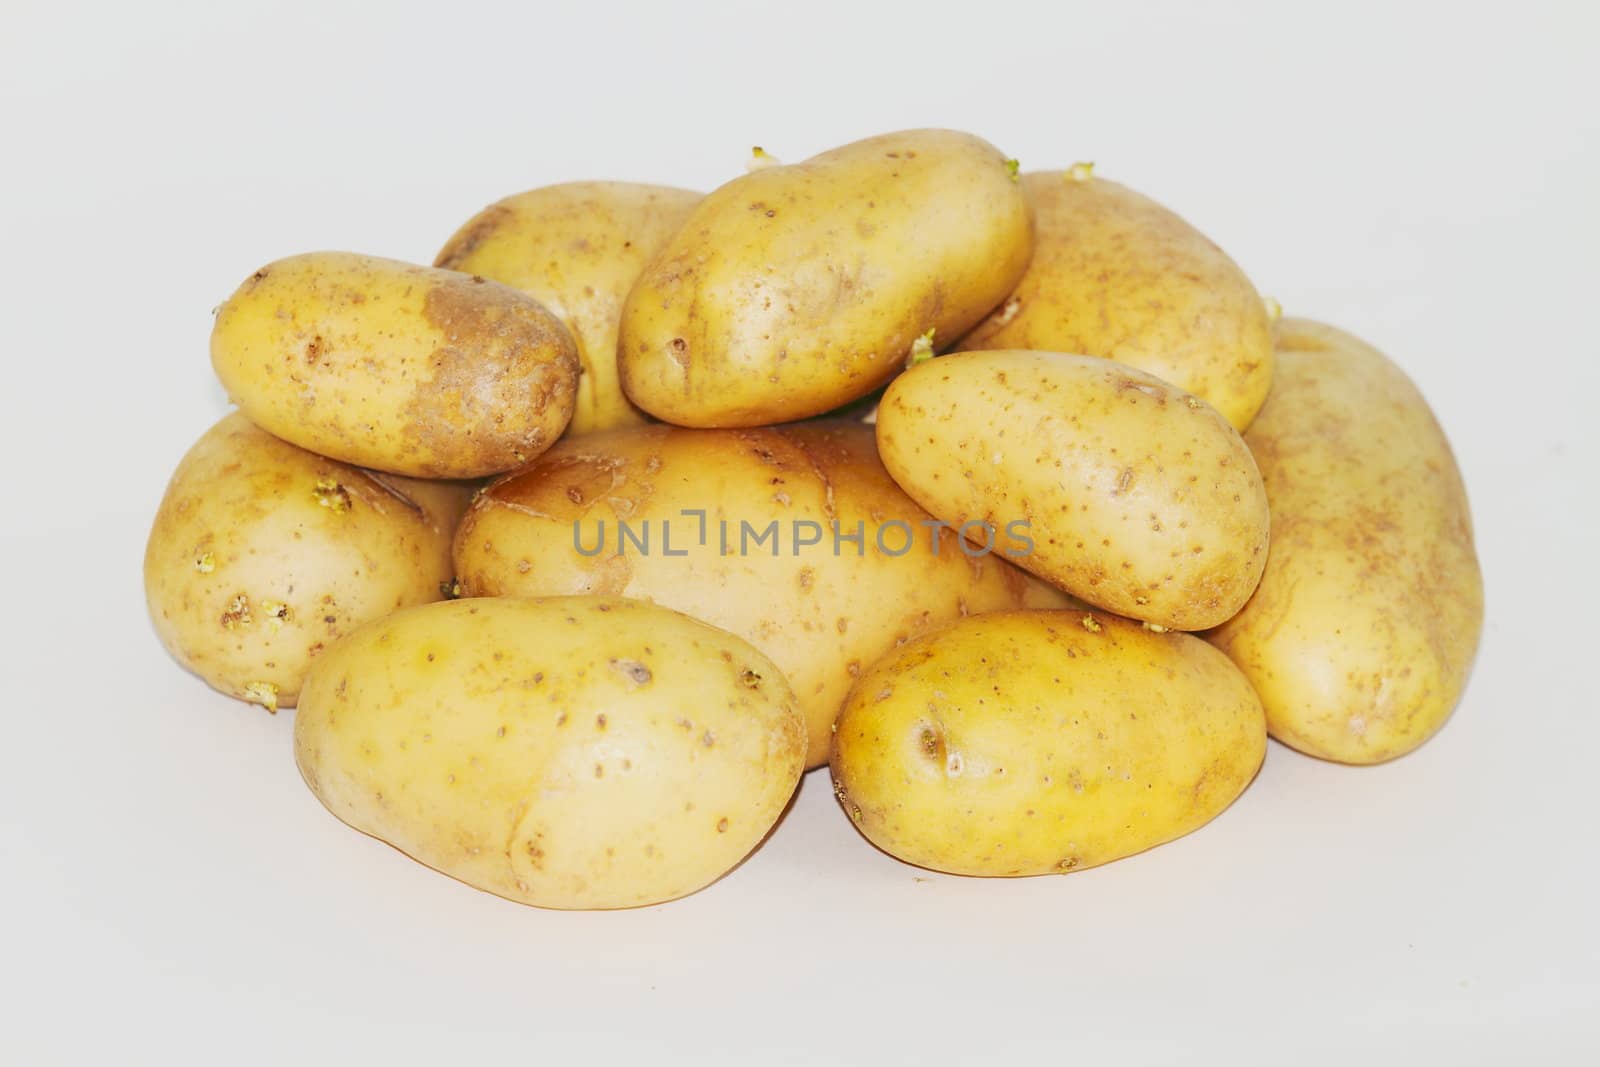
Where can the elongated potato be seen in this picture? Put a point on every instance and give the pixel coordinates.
(406, 369)
(1136, 496)
(795, 289)
(577, 248)
(582, 752)
(1115, 274)
(738, 528)
(262, 554)
(1362, 632)
(1043, 742)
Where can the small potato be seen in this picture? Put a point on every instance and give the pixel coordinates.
(262, 554)
(406, 369)
(577, 248)
(737, 528)
(1115, 274)
(1042, 742)
(795, 289)
(1138, 497)
(1361, 635)
(582, 752)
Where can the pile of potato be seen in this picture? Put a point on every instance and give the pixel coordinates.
(1037, 603)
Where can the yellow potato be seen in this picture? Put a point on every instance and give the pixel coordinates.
(1361, 635)
(577, 249)
(1138, 497)
(262, 554)
(582, 752)
(698, 505)
(1042, 742)
(1115, 274)
(795, 289)
(407, 369)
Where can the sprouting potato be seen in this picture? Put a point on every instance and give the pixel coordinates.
(570, 752)
(1117, 275)
(1136, 497)
(793, 290)
(1043, 742)
(1361, 634)
(412, 370)
(263, 554)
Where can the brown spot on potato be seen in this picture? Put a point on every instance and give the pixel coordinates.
(331, 494)
(503, 382)
(632, 669)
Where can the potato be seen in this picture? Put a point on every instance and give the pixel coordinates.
(405, 369)
(1115, 274)
(583, 752)
(793, 290)
(1362, 632)
(262, 554)
(702, 501)
(577, 249)
(1137, 497)
(1042, 742)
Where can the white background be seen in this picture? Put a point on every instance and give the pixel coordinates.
(1426, 177)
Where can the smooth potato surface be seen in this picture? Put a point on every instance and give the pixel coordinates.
(1139, 498)
(577, 249)
(584, 752)
(407, 369)
(262, 554)
(795, 289)
(1039, 742)
(1117, 275)
(1362, 632)
(821, 611)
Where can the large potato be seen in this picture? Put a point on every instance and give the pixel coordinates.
(1043, 742)
(1115, 274)
(1361, 634)
(1138, 497)
(407, 369)
(262, 554)
(699, 500)
(583, 752)
(577, 249)
(792, 290)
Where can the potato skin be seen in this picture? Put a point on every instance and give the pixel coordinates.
(820, 616)
(1363, 630)
(582, 752)
(795, 289)
(1115, 274)
(576, 248)
(406, 369)
(262, 554)
(1140, 498)
(1043, 742)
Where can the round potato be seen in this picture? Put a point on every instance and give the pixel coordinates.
(1362, 632)
(577, 248)
(1115, 274)
(262, 554)
(795, 289)
(1043, 742)
(1136, 497)
(406, 369)
(583, 752)
(794, 538)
